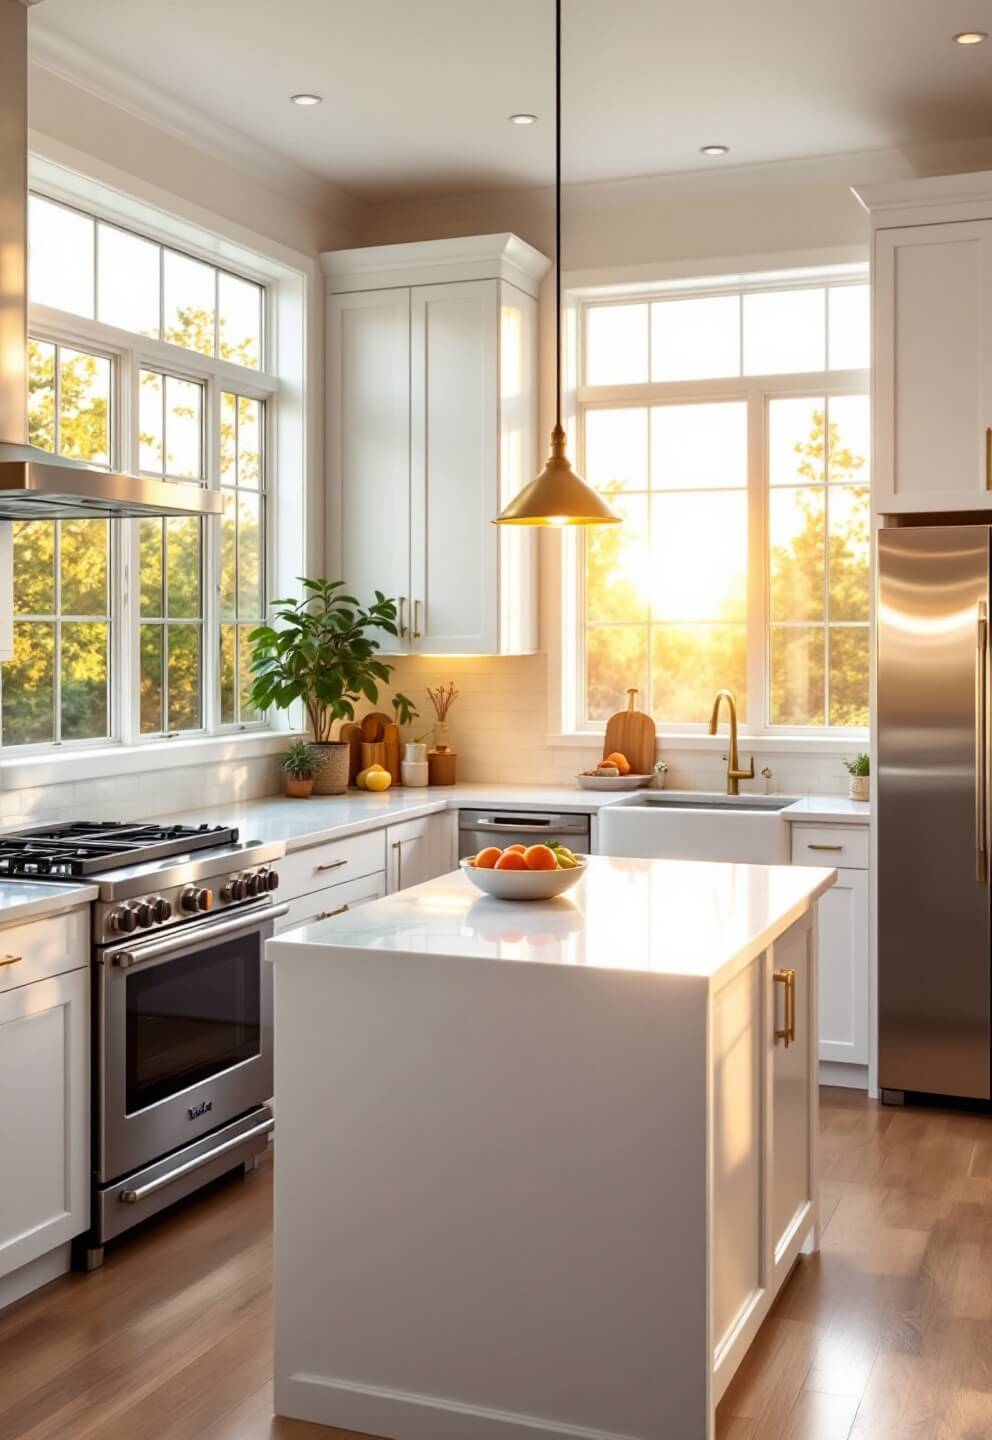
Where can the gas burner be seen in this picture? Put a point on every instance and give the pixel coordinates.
(80, 849)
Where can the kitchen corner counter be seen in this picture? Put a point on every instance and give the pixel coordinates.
(34, 899)
(829, 810)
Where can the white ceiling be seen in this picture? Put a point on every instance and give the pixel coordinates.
(416, 92)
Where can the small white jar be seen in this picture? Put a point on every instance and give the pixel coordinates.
(414, 772)
(415, 751)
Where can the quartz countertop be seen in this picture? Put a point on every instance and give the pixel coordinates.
(300, 823)
(32, 899)
(665, 917)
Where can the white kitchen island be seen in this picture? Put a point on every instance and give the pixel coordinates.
(541, 1169)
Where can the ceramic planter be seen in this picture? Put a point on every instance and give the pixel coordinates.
(331, 775)
(299, 789)
(858, 788)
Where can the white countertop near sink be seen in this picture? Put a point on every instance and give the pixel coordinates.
(661, 917)
(300, 823)
(32, 899)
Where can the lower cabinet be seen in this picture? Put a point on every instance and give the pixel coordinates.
(764, 1100)
(419, 850)
(44, 1116)
(332, 900)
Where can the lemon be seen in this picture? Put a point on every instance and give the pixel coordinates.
(378, 779)
(362, 777)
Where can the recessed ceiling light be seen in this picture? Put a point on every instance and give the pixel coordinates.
(522, 119)
(714, 149)
(306, 99)
(970, 37)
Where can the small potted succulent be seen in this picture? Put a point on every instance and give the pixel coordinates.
(300, 765)
(858, 769)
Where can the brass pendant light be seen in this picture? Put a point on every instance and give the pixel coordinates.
(558, 496)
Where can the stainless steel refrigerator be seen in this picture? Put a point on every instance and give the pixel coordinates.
(932, 762)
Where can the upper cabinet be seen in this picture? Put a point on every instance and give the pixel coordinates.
(431, 429)
(932, 377)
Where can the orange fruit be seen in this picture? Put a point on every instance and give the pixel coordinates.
(487, 859)
(620, 761)
(539, 857)
(511, 860)
(519, 848)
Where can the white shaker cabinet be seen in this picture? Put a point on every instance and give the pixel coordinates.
(932, 320)
(419, 850)
(44, 1115)
(431, 429)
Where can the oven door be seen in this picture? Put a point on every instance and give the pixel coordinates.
(184, 1040)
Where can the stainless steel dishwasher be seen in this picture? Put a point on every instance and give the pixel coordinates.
(479, 828)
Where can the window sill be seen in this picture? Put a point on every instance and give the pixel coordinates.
(30, 771)
(828, 744)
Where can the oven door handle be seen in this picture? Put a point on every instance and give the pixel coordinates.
(207, 930)
(134, 1197)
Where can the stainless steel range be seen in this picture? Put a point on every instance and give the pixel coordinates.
(182, 1005)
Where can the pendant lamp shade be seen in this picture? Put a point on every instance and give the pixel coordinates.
(558, 496)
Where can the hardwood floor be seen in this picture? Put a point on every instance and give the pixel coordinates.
(886, 1335)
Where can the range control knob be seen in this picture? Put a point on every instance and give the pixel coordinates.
(235, 889)
(143, 912)
(161, 910)
(271, 880)
(123, 921)
(254, 884)
(193, 899)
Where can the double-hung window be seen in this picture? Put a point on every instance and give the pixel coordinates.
(729, 428)
(150, 359)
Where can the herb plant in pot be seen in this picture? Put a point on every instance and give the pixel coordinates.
(858, 769)
(320, 650)
(299, 763)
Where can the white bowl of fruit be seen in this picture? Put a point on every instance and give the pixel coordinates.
(612, 773)
(524, 872)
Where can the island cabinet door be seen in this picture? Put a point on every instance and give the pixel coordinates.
(791, 997)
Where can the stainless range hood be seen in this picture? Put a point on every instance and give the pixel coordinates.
(33, 483)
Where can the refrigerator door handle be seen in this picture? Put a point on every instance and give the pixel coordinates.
(981, 746)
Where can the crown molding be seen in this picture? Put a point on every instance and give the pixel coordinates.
(78, 67)
(469, 257)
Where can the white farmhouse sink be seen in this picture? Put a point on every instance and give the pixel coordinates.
(686, 825)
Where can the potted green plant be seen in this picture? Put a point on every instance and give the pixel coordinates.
(859, 770)
(299, 763)
(321, 650)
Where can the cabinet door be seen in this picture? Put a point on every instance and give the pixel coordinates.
(793, 1094)
(420, 850)
(44, 1116)
(843, 979)
(454, 460)
(933, 367)
(368, 441)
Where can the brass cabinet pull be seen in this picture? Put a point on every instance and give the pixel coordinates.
(331, 865)
(811, 846)
(11, 959)
(398, 847)
(788, 1033)
(328, 914)
(416, 619)
(402, 620)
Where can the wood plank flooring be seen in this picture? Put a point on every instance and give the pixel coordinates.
(886, 1335)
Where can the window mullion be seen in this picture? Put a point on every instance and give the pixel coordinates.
(758, 638)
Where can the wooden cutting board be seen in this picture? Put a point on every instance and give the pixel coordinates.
(632, 733)
(374, 725)
(391, 741)
(352, 736)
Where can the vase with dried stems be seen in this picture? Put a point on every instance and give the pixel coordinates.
(323, 654)
(442, 697)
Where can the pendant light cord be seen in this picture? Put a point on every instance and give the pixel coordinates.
(558, 213)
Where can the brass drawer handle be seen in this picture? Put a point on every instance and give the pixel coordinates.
(402, 624)
(811, 846)
(330, 865)
(328, 914)
(11, 959)
(788, 1032)
(416, 619)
